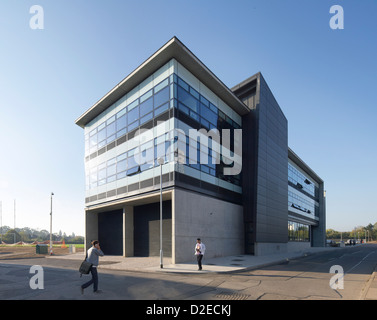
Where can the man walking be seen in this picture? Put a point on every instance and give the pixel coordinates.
(200, 249)
(92, 256)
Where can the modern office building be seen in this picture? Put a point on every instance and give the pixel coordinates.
(228, 175)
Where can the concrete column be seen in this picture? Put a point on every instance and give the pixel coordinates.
(128, 231)
(124, 232)
(173, 227)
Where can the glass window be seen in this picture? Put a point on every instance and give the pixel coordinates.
(110, 139)
(133, 171)
(228, 120)
(102, 174)
(133, 115)
(133, 105)
(133, 159)
(213, 108)
(183, 108)
(298, 231)
(121, 122)
(111, 178)
(183, 84)
(208, 114)
(110, 129)
(194, 115)
(204, 101)
(93, 142)
(204, 123)
(121, 132)
(121, 112)
(102, 135)
(93, 177)
(161, 85)
(194, 93)
(147, 155)
(161, 97)
(204, 168)
(111, 170)
(146, 96)
(188, 99)
(146, 107)
(146, 118)
(161, 109)
(122, 166)
(146, 158)
(132, 126)
(122, 175)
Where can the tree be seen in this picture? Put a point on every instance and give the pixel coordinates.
(24, 236)
(12, 236)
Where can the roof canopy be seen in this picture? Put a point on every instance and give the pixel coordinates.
(174, 48)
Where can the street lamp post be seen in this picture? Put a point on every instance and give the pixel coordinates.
(161, 162)
(51, 225)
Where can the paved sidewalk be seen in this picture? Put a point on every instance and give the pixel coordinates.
(213, 265)
(370, 291)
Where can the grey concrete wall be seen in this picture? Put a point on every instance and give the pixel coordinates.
(218, 223)
(297, 246)
(264, 248)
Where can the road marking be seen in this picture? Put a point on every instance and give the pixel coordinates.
(360, 261)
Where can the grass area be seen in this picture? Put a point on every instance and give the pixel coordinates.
(80, 245)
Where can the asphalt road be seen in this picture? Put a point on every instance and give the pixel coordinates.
(306, 278)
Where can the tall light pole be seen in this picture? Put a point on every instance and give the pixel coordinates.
(51, 225)
(161, 162)
(14, 214)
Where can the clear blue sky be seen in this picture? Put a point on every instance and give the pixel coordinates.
(324, 80)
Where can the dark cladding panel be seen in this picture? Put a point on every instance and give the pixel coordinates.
(110, 232)
(147, 229)
(272, 173)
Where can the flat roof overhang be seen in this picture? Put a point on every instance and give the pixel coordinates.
(295, 158)
(173, 49)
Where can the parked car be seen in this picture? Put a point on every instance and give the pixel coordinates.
(331, 243)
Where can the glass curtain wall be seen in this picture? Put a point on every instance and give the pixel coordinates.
(189, 106)
(298, 232)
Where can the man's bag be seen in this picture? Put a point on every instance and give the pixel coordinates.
(85, 267)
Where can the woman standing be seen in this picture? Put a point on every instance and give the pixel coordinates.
(92, 256)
